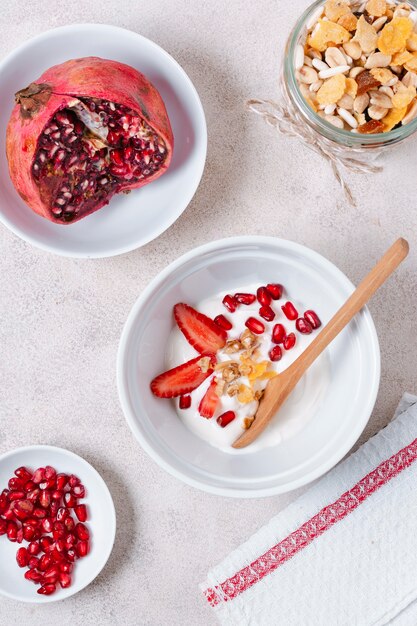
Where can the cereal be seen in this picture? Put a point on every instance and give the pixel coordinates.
(394, 35)
(376, 8)
(326, 32)
(356, 64)
(382, 75)
(332, 89)
(366, 35)
(393, 118)
(335, 9)
(351, 87)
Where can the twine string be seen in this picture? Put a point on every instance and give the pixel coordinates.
(285, 118)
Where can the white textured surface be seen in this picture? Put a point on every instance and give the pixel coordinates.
(61, 319)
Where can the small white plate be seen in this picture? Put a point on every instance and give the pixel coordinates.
(131, 220)
(101, 523)
(334, 424)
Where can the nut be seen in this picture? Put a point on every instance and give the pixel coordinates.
(334, 57)
(360, 103)
(377, 113)
(308, 75)
(380, 100)
(377, 59)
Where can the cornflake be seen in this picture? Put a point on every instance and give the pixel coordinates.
(376, 8)
(393, 118)
(366, 35)
(325, 32)
(332, 89)
(394, 35)
(382, 74)
(334, 9)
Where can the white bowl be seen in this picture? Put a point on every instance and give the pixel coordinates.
(132, 220)
(354, 366)
(101, 522)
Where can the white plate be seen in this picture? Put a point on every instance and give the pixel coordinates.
(132, 220)
(333, 428)
(101, 522)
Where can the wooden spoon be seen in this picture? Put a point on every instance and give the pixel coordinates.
(279, 388)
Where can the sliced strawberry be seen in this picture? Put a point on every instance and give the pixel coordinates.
(209, 401)
(183, 378)
(199, 330)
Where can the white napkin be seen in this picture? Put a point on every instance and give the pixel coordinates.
(343, 554)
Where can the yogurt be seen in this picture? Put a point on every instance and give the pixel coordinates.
(300, 407)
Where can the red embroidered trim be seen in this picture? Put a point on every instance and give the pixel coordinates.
(316, 526)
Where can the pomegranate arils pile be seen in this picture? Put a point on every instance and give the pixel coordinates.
(91, 151)
(36, 507)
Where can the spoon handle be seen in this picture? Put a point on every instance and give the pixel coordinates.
(362, 294)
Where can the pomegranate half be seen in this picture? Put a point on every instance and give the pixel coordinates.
(85, 130)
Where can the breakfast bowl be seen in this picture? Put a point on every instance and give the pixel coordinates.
(93, 505)
(320, 422)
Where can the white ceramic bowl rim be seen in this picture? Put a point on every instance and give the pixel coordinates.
(333, 458)
(104, 555)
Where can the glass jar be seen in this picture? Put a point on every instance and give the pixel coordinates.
(320, 125)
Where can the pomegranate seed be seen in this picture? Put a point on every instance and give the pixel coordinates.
(117, 157)
(289, 341)
(78, 491)
(3, 526)
(4, 503)
(303, 326)
(230, 303)
(185, 403)
(57, 494)
(23, 473)
(44, 498)
(267, 313)
(46, 543)
(50, 472)
(29, 532)
(33, 495)
(312, 318)
(62, 514)
(54, 508)
(275, 354)
(34, 548)
(49, 483)
(57, 555)
(255, 325)
(278, 333)
(12, 531)
(64, 580)
(52, 574)
(61, 481)
(47, 524)
(47, 589)
(289, 311)
(70, 541)
(70, 500)
(264, 297)
(33, 562)
(22, 509)
(225, 419)
(223, 322)
(29, 486)
(245, 298)
(71, 555)
(69, 522)
(44, 562)
(19, 535)
(8, 513)
(58, 530)
(39, 513)
(38, 475)
(82, 531)
(66, 567)
(16, 483)
(16, 495)
(82, 549)
(33, 575)
(275, 290)
(22, 557)
(73, 480)
(81, 510)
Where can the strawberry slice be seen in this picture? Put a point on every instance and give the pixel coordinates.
(199, 330)
(209, 401)
(183, 378)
